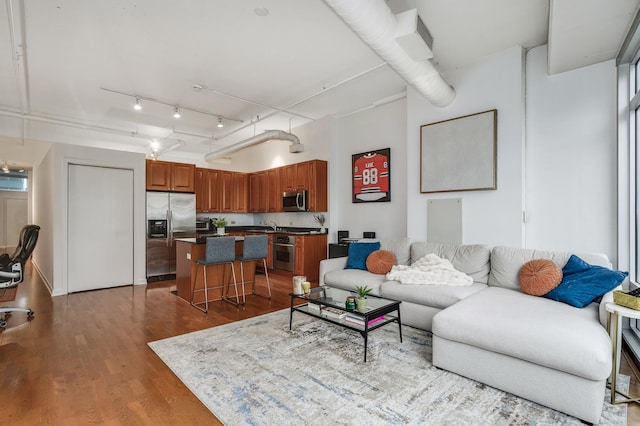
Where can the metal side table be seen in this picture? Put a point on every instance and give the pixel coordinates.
(615, 311)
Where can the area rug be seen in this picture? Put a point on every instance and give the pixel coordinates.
(257, 372)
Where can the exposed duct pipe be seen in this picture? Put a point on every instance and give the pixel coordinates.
(376, 25)
(295, 147)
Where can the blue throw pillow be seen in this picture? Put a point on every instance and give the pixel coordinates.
(358, 253)
(583, 283)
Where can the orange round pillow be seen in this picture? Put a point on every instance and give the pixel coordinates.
(380, 261)
(540, 276)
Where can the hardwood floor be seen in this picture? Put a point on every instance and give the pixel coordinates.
(84, 358)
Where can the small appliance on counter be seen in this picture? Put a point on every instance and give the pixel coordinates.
(203, 224)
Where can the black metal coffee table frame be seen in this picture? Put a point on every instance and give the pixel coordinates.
(318, 296)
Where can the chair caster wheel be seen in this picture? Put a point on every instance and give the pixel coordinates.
(30, 314)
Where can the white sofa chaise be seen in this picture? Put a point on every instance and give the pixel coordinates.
(539, 349)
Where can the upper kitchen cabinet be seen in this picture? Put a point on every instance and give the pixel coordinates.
(274, 203)
(288, 177)
(167, 176)
(207, 190)
(312, 176)
(241, 192)
(258, 199)
(233, 192)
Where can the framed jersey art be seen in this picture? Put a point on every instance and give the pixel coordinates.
(371, 176)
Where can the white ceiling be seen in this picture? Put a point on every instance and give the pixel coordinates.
(300, 58)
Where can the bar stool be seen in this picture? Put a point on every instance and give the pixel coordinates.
(219, 251)
(254, 249)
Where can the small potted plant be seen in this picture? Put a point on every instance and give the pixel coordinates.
(220, 224)
(320, 219)
(361, 301)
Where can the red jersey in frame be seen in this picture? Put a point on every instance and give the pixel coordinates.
(371, 178)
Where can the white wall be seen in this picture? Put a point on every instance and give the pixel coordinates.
(50, 200)
(492, 217)
(372, 129)
(43, 208)
(571, 157)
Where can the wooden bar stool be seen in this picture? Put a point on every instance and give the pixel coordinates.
(219, 251)
(254, 249)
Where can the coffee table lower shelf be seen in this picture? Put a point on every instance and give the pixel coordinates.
(362, 329)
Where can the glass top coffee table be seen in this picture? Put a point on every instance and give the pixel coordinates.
(329, 304)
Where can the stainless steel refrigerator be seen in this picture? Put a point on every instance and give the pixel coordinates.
(169, 216)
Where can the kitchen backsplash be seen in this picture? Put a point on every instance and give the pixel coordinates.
(295, 219)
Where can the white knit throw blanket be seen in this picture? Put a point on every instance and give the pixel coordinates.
(430, 270)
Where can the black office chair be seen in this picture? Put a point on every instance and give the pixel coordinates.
(12, 268)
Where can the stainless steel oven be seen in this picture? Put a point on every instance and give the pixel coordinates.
(284, 252)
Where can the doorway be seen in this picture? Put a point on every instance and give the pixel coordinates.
(100, 227)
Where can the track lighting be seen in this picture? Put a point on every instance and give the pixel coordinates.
(176, 108)
(5, 168)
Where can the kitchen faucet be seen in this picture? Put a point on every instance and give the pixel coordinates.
(273, 225)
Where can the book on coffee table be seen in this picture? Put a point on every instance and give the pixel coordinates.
(360, 320)
(334, 313)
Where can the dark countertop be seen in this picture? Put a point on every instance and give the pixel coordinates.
(289, 230)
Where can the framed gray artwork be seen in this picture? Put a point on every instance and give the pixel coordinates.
(459, 154)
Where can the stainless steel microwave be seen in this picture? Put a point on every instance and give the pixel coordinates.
(294, 201)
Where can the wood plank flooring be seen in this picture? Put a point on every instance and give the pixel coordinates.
(84, 358)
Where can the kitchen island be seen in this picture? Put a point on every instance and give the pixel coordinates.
(188, 250)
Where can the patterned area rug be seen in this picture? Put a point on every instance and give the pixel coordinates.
(257, 372)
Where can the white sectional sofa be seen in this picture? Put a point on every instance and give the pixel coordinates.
(539, 349)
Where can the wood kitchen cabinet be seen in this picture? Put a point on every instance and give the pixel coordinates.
(310, 250)
(207, 190)
(226, 191)
(258, 202)
(200, 187)
(273, 189)
(168, 176)
(289, 177)
(303, 175)
(312, 176)
(241, 192)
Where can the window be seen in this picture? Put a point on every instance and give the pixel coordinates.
(629, 141)
(14, 181)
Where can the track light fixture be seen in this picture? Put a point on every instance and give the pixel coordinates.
(177, 109)
(5, 168)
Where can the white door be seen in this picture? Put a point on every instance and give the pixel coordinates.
(100, 228)
(13, 217)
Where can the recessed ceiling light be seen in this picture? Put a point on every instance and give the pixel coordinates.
(261, 11)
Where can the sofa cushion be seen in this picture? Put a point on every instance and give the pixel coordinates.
(349, 279)
(582, 283)
(534, 329)
(358, 253)
(507, 261)
(539, 276)
(434, 296)
(473, 260)
(400, 247)
(380, 262)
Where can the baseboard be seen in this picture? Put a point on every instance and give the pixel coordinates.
(46, 282)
